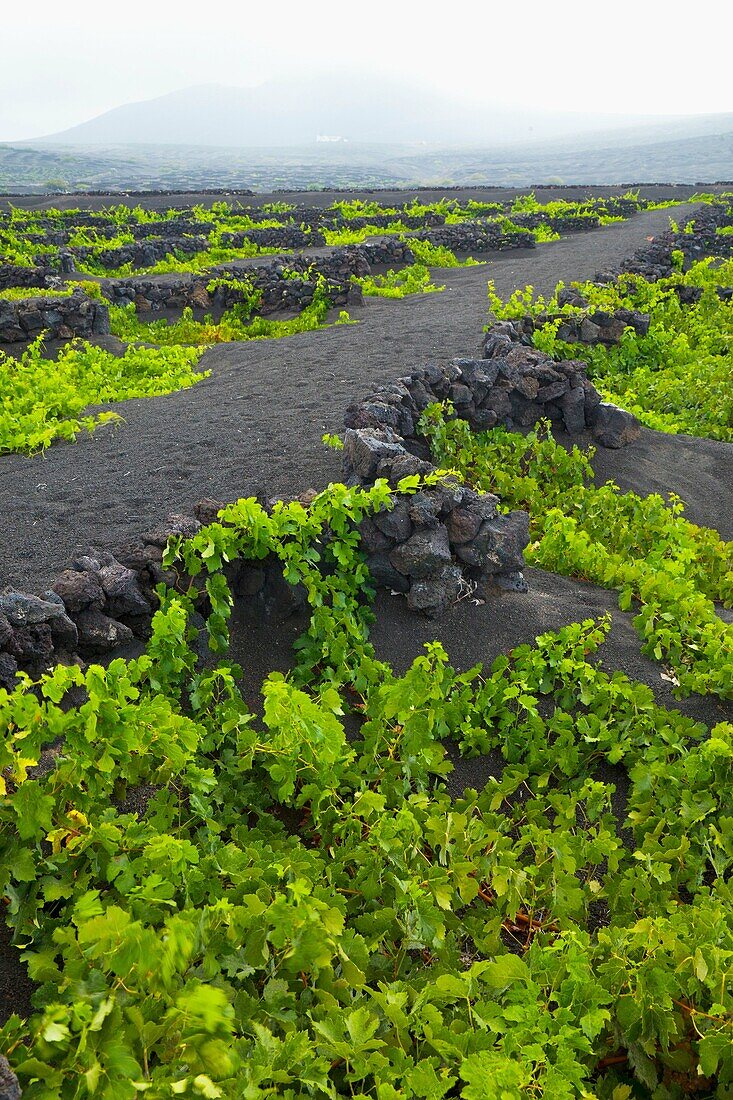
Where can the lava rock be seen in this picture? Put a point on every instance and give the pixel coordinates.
(9, 1086)
(385, 575)
(100, 634)
(8, 670)
(6, 631)
(123, 592)
(433, 595)
(395, 523)
(20, 609)
(499, 545)
(79, 590)
(425, 553)
(614, 427)
(424, 509)
(572, 404)
(365, 448)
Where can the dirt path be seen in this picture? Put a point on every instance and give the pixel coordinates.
(261, 415)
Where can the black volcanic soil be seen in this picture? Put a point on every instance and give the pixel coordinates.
(260, 416)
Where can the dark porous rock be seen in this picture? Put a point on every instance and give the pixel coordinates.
(20, 609)
(498, 547)
(590, 333)
(611, 327)
(372, 414)
(492, 585)
(123, 592)
(460, 395)
(9, 1087)
(365, 448)
(591, 399)
(282, 599)
(525, 413)
(176, 524)
(552, 390)
(373, 540)
(421, 397)
(395, 523)
(424, 509)
(482, 419)
(433, 595)
(639, 322)
(495, 345)
(79, 590)
(614, 427)
(206, 510)
(100, 634)
(464, 524)
(65, 633)
(6, 630)
(569, 296)
(385, 575)
(521, 358)
(33, 645)
(8, 670)
(572, 404)
(499, 400)
(511, 582)
(425, 553)
(140, 557)
(405, 465)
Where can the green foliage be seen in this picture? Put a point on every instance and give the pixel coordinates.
(414, 279)
(431, 255)
(20, 293)
(390, 942)
(42, 400)
(544, 233)
(678, 378)
(669, 569)
(234, 324)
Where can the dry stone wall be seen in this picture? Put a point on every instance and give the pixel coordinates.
(60, 318)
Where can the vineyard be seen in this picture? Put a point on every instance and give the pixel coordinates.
(221, 894)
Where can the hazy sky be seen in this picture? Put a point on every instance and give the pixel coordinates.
(64, 64)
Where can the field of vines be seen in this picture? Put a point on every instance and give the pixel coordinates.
(228, 901)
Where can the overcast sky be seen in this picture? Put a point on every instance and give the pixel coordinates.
(63, 64)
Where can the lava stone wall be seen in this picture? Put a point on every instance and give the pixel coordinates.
(279, 291)
(12, 275)
(476, 237)
(60, 318)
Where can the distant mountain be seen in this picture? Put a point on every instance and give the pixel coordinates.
(357, 109)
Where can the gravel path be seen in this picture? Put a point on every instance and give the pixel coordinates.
(263, 411)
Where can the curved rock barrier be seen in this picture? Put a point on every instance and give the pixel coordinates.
(274, 279)
(60, 318)
(13, 275)
(655, 260)
(476, 237)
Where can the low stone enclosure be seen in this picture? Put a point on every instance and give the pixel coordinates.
(280, 291)
(60, 318)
